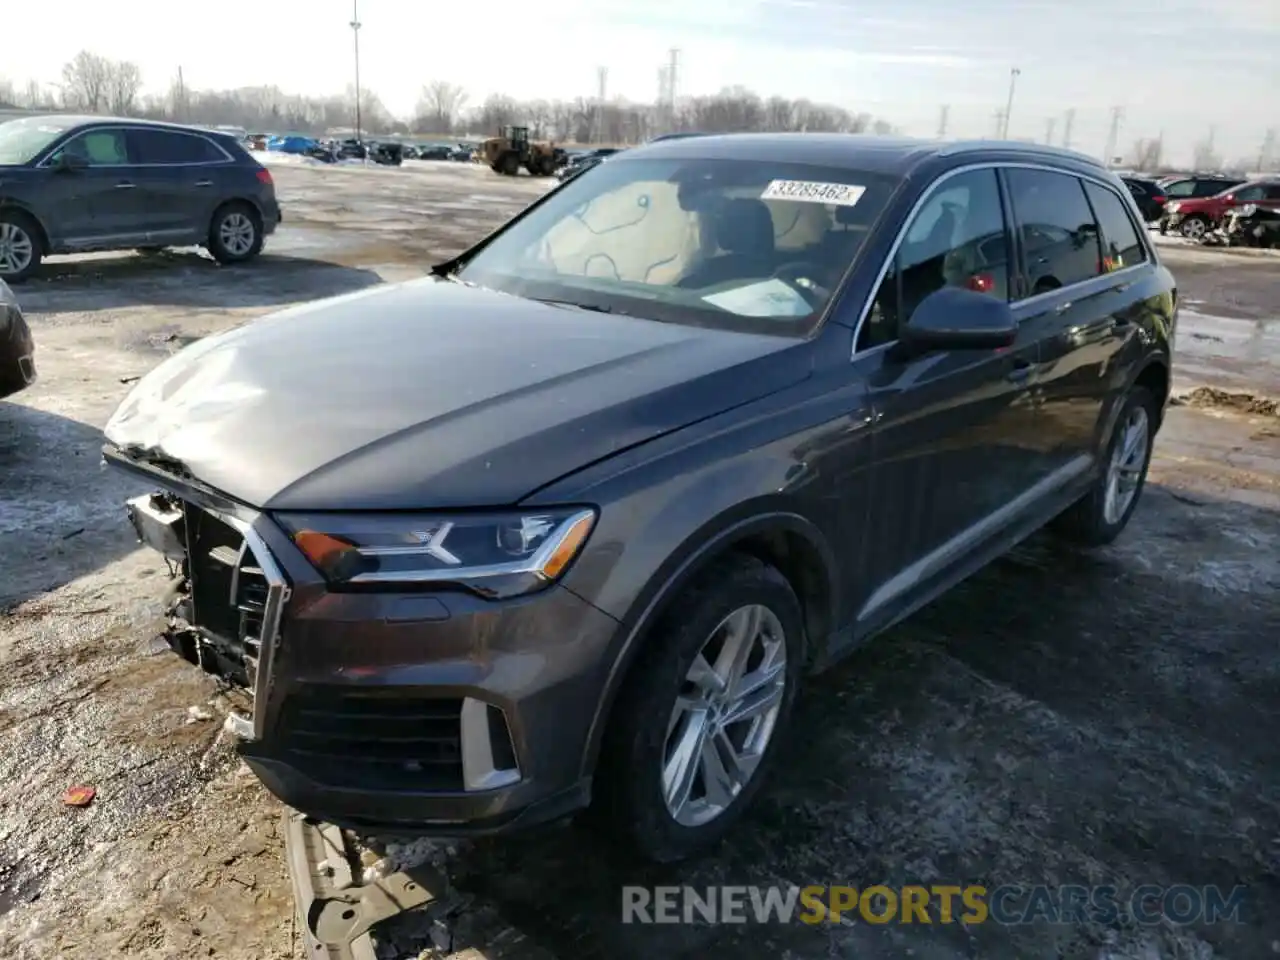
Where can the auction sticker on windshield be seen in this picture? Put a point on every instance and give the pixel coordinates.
(810, 191)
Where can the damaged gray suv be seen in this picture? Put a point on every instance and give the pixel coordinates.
(567, 522)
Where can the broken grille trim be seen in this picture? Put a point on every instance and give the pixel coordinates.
(272, 614)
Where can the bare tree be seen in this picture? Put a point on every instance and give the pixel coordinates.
(1146, 155)
(93, 83)
(8, 93)
(440, 107)
(124, 82)
(86, 82)
(496, 112)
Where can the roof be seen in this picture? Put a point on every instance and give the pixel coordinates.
(869, 152)
(78, 120)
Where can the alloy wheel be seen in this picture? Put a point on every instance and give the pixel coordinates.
(725, 715)
(16, 249)
(1128, 460)
(237, 234)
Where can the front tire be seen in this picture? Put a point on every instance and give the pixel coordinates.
(697, 726)
(1103, 513)
(235, 234)
(21, 246)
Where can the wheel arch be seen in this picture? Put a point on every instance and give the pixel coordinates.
(787, 541)
(8, 205)
(237, 200)
(1154, 376)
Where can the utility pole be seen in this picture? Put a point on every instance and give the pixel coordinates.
(1048, 130)
(602, 84)
(355, 34)
(1113, 135)
(180, 108)
(1014, 73)
(999, 118)
(1068, 122)
(942, 121)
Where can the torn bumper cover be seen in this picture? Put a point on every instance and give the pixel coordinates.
(417, 713)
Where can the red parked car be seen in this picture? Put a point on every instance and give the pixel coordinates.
(1197, 217)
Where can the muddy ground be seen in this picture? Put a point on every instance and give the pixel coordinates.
(1058, 719)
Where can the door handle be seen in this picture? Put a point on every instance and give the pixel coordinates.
(125, 185)
(1021, 371)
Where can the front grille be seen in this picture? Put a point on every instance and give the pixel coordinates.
(235, 597)
(373, 740)
(228, 592)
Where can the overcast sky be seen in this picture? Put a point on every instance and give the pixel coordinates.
(1180, 66)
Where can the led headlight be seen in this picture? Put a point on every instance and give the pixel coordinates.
(492, 554)
(1248, 210)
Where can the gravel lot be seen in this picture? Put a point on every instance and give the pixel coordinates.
(1058, 719)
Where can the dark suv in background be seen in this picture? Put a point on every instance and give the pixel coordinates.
(75, 184)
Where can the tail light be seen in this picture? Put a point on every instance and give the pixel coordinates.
(981, 283)
(1159, 198)
(264, 177)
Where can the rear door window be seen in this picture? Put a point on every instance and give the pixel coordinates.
(1209, 188)
(1121, 242)
(1059, 234)
(167, 147)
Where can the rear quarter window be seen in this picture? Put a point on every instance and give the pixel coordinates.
(1122, 246)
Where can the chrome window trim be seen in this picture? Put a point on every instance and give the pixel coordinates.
(43, 162)
(998, 165)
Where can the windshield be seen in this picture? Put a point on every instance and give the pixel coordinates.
(21, 141)
(744, 245)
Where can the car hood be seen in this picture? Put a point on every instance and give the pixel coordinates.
(432, 394)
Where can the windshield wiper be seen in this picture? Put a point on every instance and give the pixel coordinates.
(592, 307)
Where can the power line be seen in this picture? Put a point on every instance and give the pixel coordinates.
(355, 33)
(1069, 121)
(602, 86)
(1113, 135)
(1267, 152)
(1014, 73)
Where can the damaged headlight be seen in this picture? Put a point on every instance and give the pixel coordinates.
(493, 554)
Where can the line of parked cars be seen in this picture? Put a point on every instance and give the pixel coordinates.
(1212, 208)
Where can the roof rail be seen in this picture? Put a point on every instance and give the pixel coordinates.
(1016, 146)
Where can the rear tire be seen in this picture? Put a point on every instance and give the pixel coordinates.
(21, 246)
(1103, 513)
(235, 234)
(1194, 227)
(661, 707)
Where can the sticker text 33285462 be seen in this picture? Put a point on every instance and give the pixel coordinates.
(809, 191)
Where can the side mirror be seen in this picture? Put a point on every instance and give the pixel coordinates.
(957, 319)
